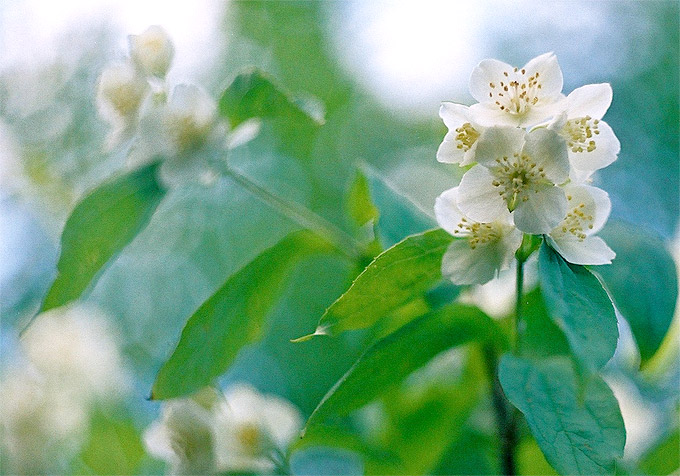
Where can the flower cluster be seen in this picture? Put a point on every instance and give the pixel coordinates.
(133, 97)
(73, 364)
(532, 152)
(210, 432)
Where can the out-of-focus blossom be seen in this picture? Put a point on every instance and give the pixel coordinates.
(152, 51)
(460, 143)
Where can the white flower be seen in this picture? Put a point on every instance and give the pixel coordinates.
(120, 92)
(253, 427)
(42, 426)
(75, 348)
(152, 51)
(516, 96)
(460, 143)
(588, 211)
(185, 435)
(484, 248)
(591, 143)
(189, 117)
(518, 172)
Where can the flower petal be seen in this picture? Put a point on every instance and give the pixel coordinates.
(542, 211)
(478, 199)
(448, 151)
(549, 151)
(486, 72)
(454, 115)
(497, 142)
(464, 265)
(590, 100)
(447, 212)
(607, 148)
(549, 73)
(596, 201)
(489, 115)
(591, 251)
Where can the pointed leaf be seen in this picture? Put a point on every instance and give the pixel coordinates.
(360, 206)
(580, 307)
(390, 360)
(101, 225)
(643, 283)
(232, 317)
(396, 276)
(579, 429)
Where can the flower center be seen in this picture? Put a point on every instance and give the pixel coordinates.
(249, 437)
(517, 92)
(466, 136)
(515, 177)
(579, 134)
(477, 233)
(576, 221)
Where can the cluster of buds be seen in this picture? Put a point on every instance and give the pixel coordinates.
(532, 153)
(210, 432)
(132, 96)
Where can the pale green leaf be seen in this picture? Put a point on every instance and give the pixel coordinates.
(396, 276)
(579, 429)
(390, 360)
(580, 307)
(642, 281)
(232, 317)
(101, 225)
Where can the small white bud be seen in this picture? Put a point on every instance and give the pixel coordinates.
(152, 51)
(120, 92)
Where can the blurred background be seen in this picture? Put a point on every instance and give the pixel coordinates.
(377, 72)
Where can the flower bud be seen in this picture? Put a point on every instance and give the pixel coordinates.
(152, 51)
(190, 117)
(120, 92)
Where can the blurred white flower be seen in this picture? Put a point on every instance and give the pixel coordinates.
(252, 428)
(42, 427)
(518, 172)
(152, 51)
(76, 349)
(120, 92)
(460, 143)
(588, 211)
(184, 436)
(189, 116)
(484, 248)
(210, 432)
(514, 96)
(591, 143)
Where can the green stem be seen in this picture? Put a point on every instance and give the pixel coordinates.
(304, 217)
(519, 298)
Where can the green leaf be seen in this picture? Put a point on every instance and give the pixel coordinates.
(232, 317)
(579, 429)
(101, 225)
(113, 446)
(390, 360)
(360, 206)
(253, 94)
(399, 216)
(643, 283)
(395, 277)
(580, 306)
(541, 337)
(664, 458)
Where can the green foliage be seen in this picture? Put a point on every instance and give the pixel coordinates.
(394, 278)
(391, 359)
(253, 94)
(360, 205)
(580, 307)
(541, 336)
(101, 225)
(643, 283)
(232, 318)
(664, 458)
(113, 447)
(577, 425)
